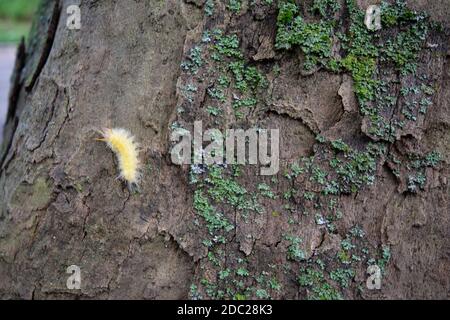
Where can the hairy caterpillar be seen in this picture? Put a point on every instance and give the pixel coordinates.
(122, 143)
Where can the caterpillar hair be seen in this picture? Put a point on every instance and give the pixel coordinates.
(123, 144)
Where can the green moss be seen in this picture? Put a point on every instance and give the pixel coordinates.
(413, 169)
(342, 276)
(224, 274)
(404, 49)
(209, 7)
(336, 168)
(266, 191)
(286, 13)
(314, 39)
(309, 196)
(364, 50)
(432, 159)
(359, 41)
(234, 70)
(214, 111)
(246, 102)
(227, 190)
(217, 93)
(358, 169)
(362, 70)
(242, 272)
(340, 146)
(227, 45)
(216, 190)
(246, 77)
(349, 170)
(398, 14)
(234, 5)
(294, 252)
(320, 289)
(326, 8)
(194, 293)
(344, 257)
(195, 60)
(214, 220)
(385, 257)
(295, 171)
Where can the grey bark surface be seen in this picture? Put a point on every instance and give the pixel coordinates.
(61, 204)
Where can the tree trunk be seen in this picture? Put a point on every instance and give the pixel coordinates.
(363, 174)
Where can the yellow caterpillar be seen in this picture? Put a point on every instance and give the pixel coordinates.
(123, 144)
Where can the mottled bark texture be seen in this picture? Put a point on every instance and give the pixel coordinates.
(149, 66)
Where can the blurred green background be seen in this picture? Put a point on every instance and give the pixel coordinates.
(15, 19)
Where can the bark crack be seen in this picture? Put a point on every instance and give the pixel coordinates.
(49, 40)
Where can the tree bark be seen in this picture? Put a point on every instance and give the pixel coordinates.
(132, 65)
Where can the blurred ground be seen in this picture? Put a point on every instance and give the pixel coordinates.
(7, 56)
